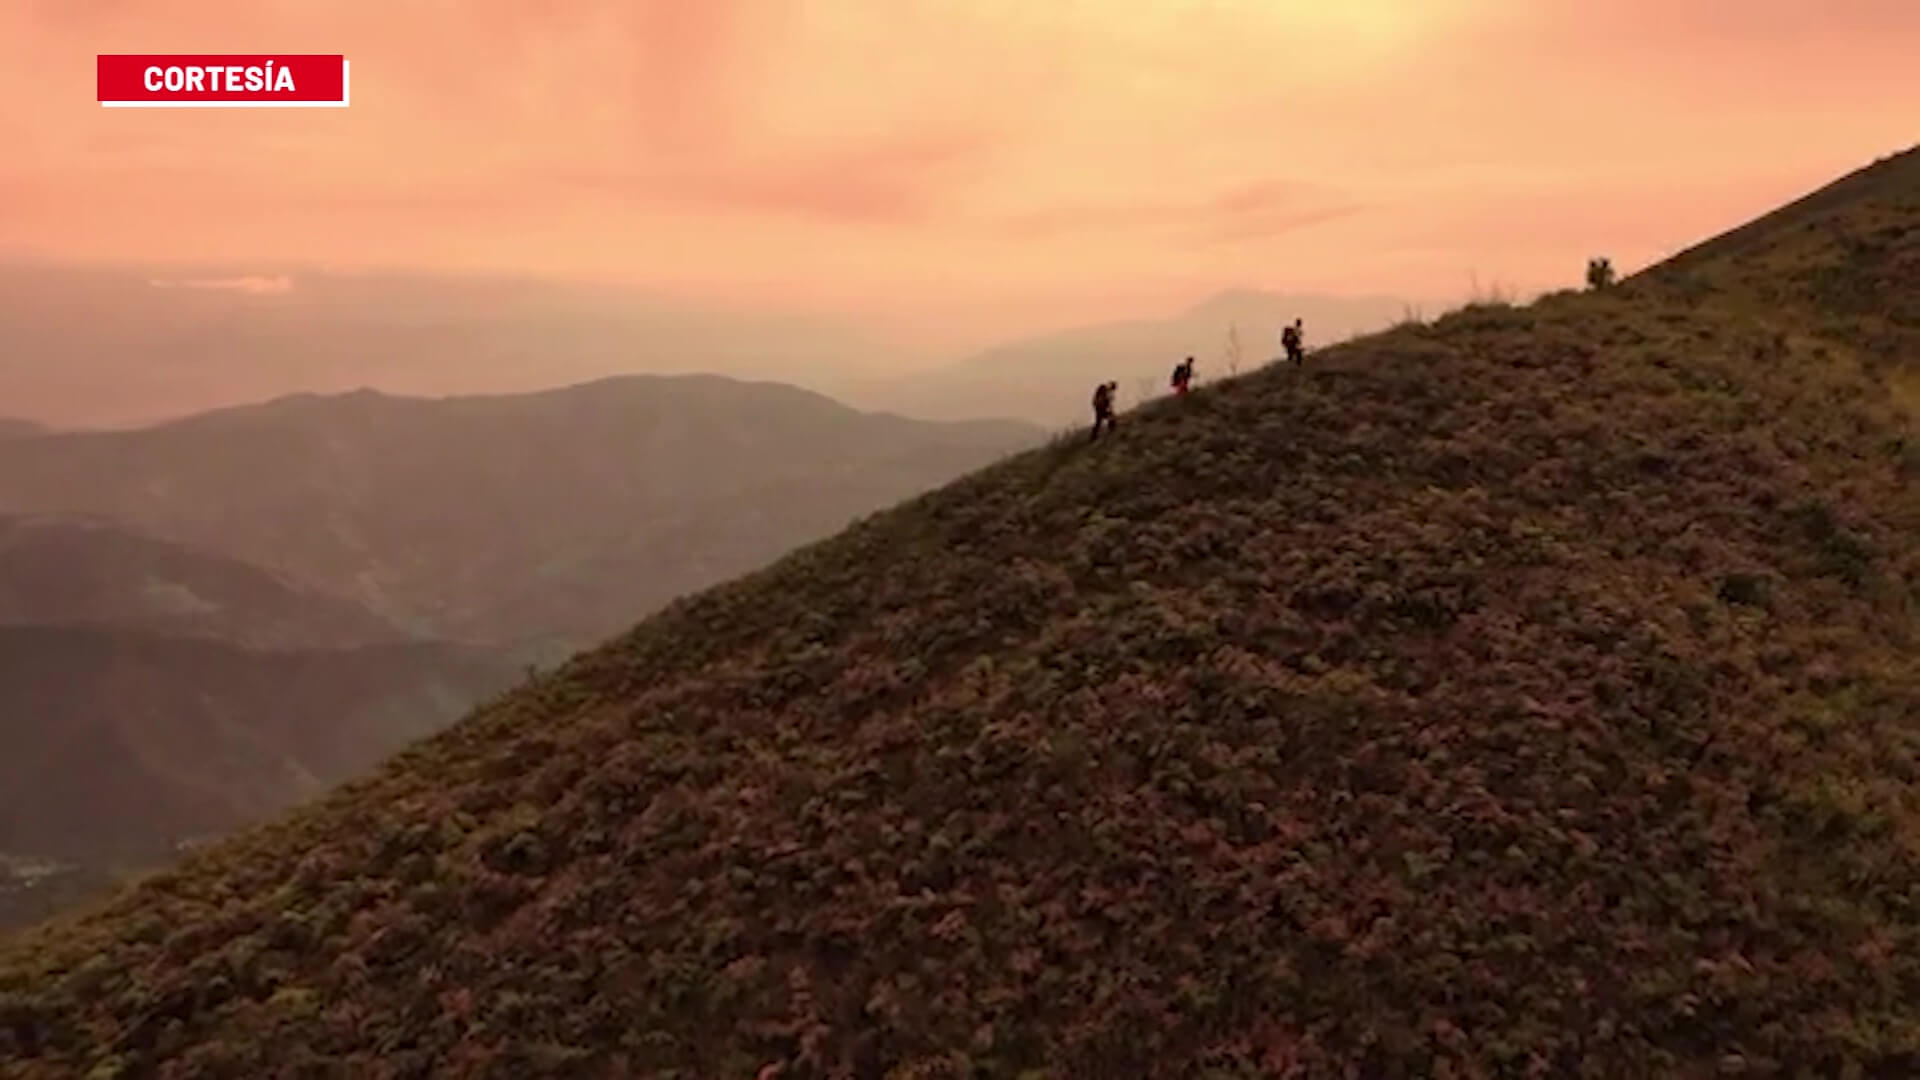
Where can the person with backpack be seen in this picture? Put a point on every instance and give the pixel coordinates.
(1290, 341)
(1103, 407)
(1182, 375)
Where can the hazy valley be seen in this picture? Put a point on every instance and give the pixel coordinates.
(206, 621)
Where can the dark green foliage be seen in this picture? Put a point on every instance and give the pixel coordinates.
(1749, 589)
(1530, 694)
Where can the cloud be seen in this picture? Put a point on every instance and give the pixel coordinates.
(951, 147)
(252, 285)
(688, 71)
(900, 179)
(1243, 212)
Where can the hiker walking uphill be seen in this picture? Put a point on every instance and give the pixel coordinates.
(1290, 341)
(1103, 407)
(1182, 375)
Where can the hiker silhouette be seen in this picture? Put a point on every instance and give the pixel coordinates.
(1103, 407)
(1290, 340)
(1182, 375)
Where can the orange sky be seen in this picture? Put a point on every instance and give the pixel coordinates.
(936, 162)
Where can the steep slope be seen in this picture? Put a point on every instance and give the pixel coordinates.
(1839, 264)
(1821, 227)
(563, 513)
(1531, 694)
(1046, 380)
(57, 571)
(115, 746)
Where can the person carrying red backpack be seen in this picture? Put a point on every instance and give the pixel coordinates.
(1182, 376)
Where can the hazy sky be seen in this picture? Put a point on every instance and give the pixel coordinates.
(929, 160)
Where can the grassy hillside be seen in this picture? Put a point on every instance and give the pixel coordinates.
(1528, 694)
(1839, 264)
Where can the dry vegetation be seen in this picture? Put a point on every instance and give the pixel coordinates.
(1531, 693)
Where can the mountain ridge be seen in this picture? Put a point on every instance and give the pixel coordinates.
(498, 518)
(115, 346)
(1526, 693)
(1870, 182)
(773, 391)
(58, 570)
(1046, 378)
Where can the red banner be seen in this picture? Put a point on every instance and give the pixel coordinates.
(262, 81)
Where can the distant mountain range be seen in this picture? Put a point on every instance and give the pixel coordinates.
(79, 572)
(119, 345)
(91, 346)
(565, 514)
(14, 429)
